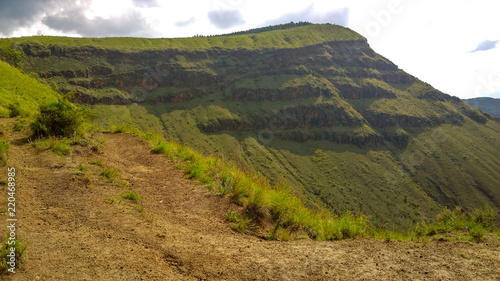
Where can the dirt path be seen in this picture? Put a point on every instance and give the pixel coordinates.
(79, 228)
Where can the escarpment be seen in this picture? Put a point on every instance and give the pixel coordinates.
(309, 82)
(314, 105)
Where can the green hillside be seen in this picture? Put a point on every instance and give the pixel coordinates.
(22, 92)
(312, 105)
(279, 39)
(488, 105)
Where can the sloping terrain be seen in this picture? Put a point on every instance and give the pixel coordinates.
(78, 227)
(313, 105)
(488, 105)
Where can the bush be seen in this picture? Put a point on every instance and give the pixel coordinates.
(476, 223)
(486, 217)
(60, 119)
(14, 109)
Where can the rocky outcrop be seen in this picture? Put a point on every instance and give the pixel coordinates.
(84, 98)
(310, 86)
(289, 93)
(330, 135)
(353, 91)
(303, 117)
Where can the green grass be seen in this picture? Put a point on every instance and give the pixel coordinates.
(59, 119)
(4, 146)
(328, 184)
(239, 223)
(115, 129)
(278, 39)
(476, 223)
(21, 94)
(132, 196)
(291, 216)
(97, 163)
(5, 247)
(108, 174)
(261, 199)
(61, 147)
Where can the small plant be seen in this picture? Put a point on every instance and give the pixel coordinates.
(19, 125)
(272, 233)
(115, 129)
(96, 146)
(5, 248)
(485, 217)
(464, 256)
(61, 147)
(239, 223)
(14, 109)
(132, 196)
(477, 231)
(160, 148)
(3, 152)
(111, 199)
(82, 167)
(97, 163)
(109, 174)
(232, 216)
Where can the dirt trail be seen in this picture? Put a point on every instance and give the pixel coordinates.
(78, 228)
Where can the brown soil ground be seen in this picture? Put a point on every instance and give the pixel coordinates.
(78, 227)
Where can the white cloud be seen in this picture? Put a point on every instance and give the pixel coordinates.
(429, 39)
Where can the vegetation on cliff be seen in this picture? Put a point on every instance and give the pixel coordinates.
(312, 105)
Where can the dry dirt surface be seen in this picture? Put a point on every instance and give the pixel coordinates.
(78, 227)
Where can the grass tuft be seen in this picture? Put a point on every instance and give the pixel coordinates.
(108, 174)
(5, 247)
(61, 147)
(132, 196)
(239, 223)
(261, 199)
(4, 146)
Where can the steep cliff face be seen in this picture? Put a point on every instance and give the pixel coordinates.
(317, 82)
(275, 100)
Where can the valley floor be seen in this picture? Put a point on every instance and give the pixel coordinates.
(78, 227)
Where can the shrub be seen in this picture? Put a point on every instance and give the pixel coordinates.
(60, 119)
(14, 109)
(485, 217)
(19, 125)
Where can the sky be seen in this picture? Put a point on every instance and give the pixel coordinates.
(454, 45)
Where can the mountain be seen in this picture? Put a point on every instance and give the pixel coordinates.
(311, 105)
(488, 105)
